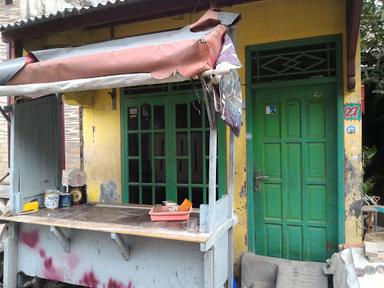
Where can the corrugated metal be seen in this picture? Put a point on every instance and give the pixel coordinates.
(36, 156)
(67, 13)
(9, 68)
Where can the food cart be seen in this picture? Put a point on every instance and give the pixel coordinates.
(101, 245)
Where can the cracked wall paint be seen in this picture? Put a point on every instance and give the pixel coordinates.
(353, 170)
(109, 193)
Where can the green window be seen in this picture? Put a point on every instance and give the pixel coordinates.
(166, 146)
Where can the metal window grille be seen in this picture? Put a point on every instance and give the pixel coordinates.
(167, 145)
(294, 63)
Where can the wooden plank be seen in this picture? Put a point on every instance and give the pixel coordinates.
(354, 9)
(221, 211)
(211, 216)
(208, 269)
(231, 189)
(153, 262)
(128, 221)
(217, 235)
(36, 154)
(13, 173)
(10, 255)
(111, 228)
(212, 179)
(373, 208)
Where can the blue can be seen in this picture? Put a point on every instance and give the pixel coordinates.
(65, 200)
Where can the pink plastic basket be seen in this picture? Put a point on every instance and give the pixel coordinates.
(170, 216)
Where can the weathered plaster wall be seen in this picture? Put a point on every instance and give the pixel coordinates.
(262, 22)
(353, 168)
(102, 144)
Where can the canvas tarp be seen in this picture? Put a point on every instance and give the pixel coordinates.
(180, 53)
(173, 56)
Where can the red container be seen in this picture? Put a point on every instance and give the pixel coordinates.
(170, 216)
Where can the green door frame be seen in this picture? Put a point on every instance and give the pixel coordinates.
(340, 124)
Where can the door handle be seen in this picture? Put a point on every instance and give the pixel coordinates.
(258, 178)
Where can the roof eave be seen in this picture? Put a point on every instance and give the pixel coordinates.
(122, 13)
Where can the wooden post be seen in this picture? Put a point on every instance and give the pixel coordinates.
(211, 215)
(13, 177)
(209, 274)
(212, 178)
(354, 9)
(231, 189)
(10, 255)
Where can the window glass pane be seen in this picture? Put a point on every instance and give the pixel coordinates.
(182, 144)
(160, 195)
(197, 157)
(181, 116)
(146, 158)
(133, 144)
(159, 117)
(160, 171)
(145, 116)
(182, 171)
(133, 123)
(134, 195)
(159, 144)
(196, 114)
(182, 193)
(147, 195)
(133, 171)
(197, 197)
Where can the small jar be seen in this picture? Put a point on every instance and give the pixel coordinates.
(51, 199)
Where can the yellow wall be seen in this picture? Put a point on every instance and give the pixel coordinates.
(101, 144)
(262, 22)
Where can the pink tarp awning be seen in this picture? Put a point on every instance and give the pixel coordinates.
(184, 52)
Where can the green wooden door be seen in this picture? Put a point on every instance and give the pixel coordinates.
(295, 146)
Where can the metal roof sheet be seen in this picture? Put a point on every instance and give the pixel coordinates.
(163, 53)
(68, 12)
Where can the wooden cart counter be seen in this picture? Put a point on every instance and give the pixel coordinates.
(117, 219)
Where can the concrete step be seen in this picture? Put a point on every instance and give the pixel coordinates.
(297, 274)
(269, 272)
